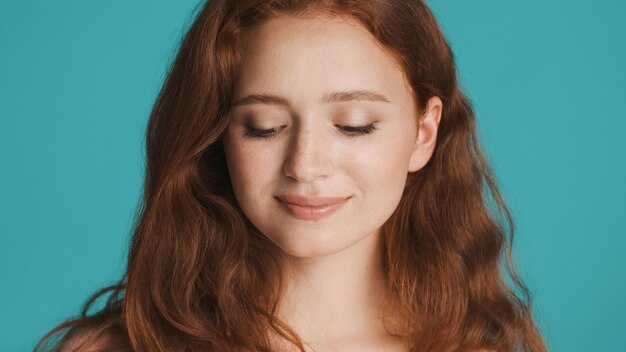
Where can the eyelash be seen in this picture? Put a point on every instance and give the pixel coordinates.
(257, 133)
(350, 130)
(359, 130)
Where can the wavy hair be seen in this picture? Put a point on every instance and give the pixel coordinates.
(201, 277)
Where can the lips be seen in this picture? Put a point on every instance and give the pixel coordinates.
(311, 208)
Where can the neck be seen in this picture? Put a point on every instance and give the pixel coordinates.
(336, 297)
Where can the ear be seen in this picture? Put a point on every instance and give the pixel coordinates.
(426, 134)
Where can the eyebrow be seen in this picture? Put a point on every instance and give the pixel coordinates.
(333, 97)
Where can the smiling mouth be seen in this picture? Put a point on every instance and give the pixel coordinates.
(311, 208)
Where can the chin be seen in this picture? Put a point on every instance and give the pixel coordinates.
(314, 245)
(309, 249)
(309, 252)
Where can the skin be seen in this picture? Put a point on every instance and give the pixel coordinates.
(335, 285)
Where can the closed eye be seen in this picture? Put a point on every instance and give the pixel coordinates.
(271, 132)
(260, 133)
(358, 130)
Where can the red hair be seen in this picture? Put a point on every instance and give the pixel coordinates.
(201, 277)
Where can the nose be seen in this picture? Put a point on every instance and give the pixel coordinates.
(309, 155)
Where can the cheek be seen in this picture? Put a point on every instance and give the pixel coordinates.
(381, 170)
(381, 164)
(249, 165)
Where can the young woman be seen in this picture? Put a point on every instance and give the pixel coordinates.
(314, 183)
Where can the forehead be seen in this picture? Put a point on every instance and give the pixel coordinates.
(304, 58)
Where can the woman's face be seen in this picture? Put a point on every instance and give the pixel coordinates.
(322, 134)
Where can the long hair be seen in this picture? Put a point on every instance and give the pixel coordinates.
(201, 277)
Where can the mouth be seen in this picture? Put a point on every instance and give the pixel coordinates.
(311, 208)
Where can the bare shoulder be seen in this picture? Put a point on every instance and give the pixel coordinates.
(86, 340)
(83, 340)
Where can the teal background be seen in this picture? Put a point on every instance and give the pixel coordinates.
(78, 78)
